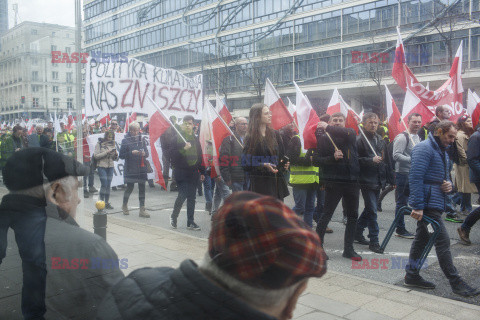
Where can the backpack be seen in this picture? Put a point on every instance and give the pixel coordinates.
(389, 157)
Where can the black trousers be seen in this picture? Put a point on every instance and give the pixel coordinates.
(442, 247)
(349, 193)
(141, 193)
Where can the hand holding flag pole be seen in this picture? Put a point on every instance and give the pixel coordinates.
(365, 137)
(226, 126)
(334, 145)
(168, 120)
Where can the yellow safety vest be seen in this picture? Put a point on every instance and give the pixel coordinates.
(303, 175)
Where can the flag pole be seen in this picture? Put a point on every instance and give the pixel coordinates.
(329, 137)
(409, 134)
(170, 122)
(226, 126)
(363, 134)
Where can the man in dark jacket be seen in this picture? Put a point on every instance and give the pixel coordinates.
(337, 155)
(473, 158)
(441, 113)
(233, 282)
(429, 183)
(23, 210)
(373, 178)
(37, 139)
(11, 144)
(187, 161)
(230, 157)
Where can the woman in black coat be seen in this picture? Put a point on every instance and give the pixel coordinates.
(264, 155)
(134, 151)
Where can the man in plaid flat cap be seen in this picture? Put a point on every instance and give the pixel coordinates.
(260, 256)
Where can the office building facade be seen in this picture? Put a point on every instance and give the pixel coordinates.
(237, 43)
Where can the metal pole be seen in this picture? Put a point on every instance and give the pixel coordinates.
(78, 69)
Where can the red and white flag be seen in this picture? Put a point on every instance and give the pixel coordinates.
(30, 131)
(413, 104)
(293, 110)
(104, 117)
(337, 104)
(473, 107)
(394, 118)
(214, 131)
(70, 122)
(398, 72)
(307, 120)
(130, 120)
(280, 114)
(223, 110)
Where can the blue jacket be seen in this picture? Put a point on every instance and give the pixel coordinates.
(428, 171)
(473, 156)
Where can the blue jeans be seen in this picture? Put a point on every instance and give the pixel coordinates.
(368, 218)
(89, 176)
(187, 190)
(401, 197)
(28, 222)
(304, 198)
(208, 187)
(222, 191)
(106, 176)
(471, 219)
(320, 203)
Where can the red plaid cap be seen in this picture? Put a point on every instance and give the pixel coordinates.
(260, 241)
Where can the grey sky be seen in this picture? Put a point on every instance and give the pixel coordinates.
(49, 11)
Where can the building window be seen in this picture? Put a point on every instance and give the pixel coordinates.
(34, 62)
(69, 77)
(69, 65)
(53, 34)
(54, 75)
(56, 102)
(53, 47)
(35, 102)
(70, 103)
(35, 88)
(34, 75)
(34, 31)
(69, 90)
(55, 89)
(67, 49)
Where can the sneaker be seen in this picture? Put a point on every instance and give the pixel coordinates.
(464, 236)
(142, 213)
(92, 190)
(463, 289)
(86, 194)
(108, 206)
(351, 254)
(125, 210)
(328, 230)
(344, 220)
(405, 234)
(375, 247)
(453, 217)
(418, 283)
(361, 240)
(173, 223)
(193, 226)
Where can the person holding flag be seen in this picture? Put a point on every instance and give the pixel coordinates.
(336, 153)
(374, 174)
(187, 159)
(264, 155)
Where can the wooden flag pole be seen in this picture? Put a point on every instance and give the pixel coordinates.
(364, 136)
(170, 122)
(409, 135)
(329, 137)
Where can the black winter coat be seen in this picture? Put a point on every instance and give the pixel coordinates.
(372, 175)
(343, 170)
(230, 160)
(166, 293)
(261, 180)
(473, 156)
(135, 169)
(183, 171)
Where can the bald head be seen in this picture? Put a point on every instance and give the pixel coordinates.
(241, 126)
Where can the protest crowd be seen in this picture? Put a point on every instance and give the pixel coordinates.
(245, 168)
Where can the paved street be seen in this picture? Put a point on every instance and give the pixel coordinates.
(344, 293)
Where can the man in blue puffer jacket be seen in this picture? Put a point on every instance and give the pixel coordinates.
(429, 184)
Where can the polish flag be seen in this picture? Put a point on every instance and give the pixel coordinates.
(70, 122)
(412, 104)
(280, 114)
(398, 72)
(212, 129)
(293, 110)
(394, 118)
(337, 104)
(130, 120)
(456, 69)
(473, 107)
(104, 117)
(223, 110)
(30, 131)
(307, 120)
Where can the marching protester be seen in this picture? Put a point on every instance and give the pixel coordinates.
(263, 155)
(220, 288)
(208, 182)
(11, 144)
(187, 160)
(115, 127)
(37, 139)
(303, 179)
(441, 113)
(88, 180)
(473, 158)
(134, 151)
(48, 142)
(336, 153)
(66, 141)
(465, 188)
(105, 155)
(402, 151)
(230, 158)
(429, 184)
(373, 177)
